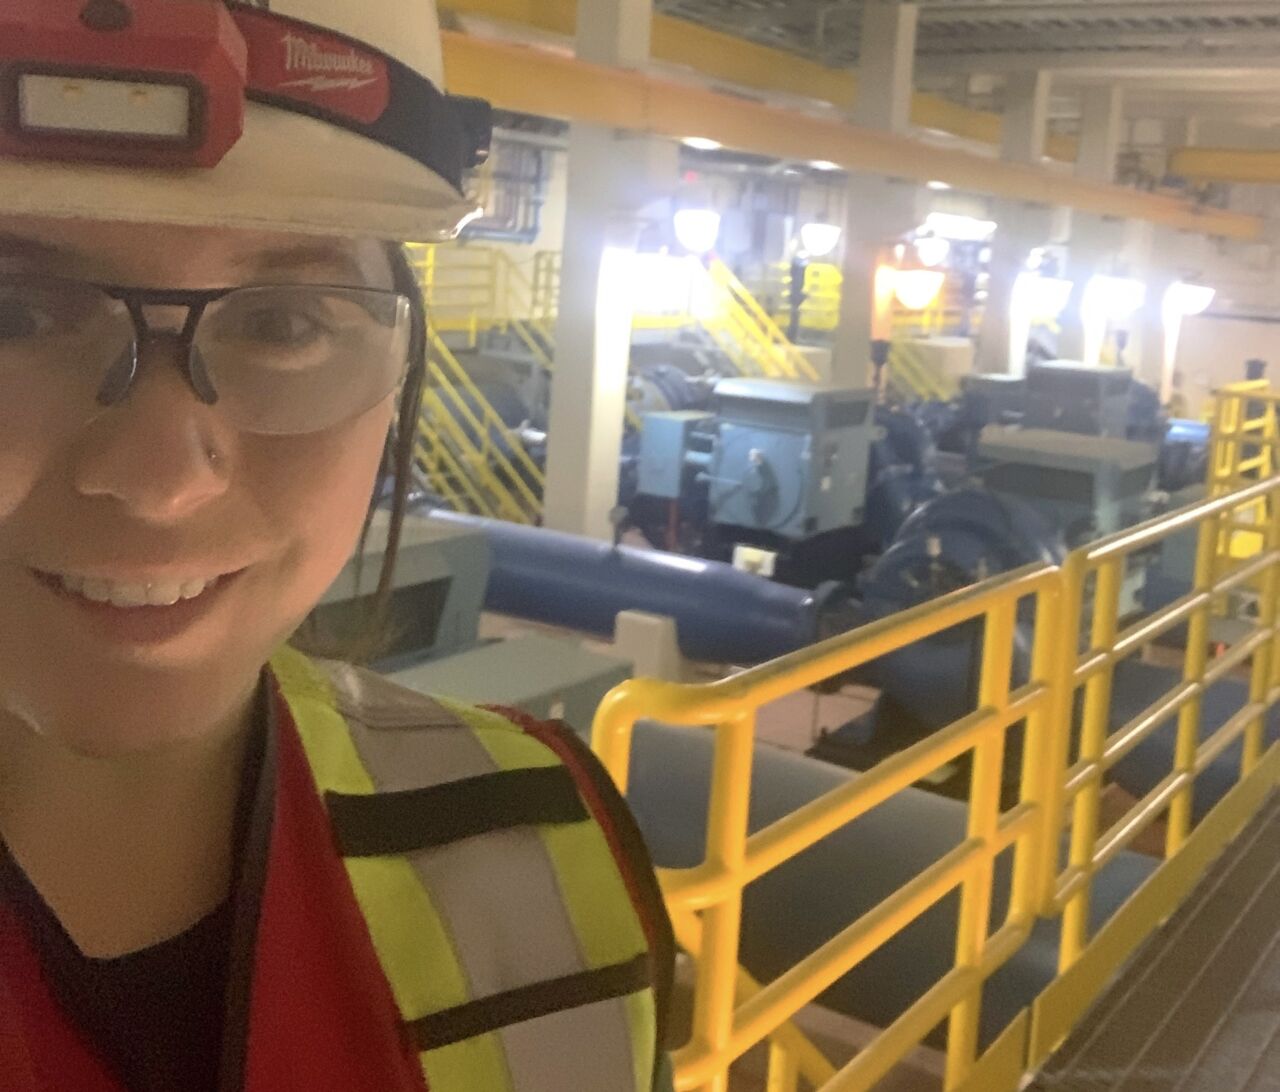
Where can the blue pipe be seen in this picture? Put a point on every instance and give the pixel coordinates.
(721, 614)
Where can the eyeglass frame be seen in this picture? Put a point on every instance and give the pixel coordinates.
(196, 301)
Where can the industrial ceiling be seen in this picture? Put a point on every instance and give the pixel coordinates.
(1213, 61)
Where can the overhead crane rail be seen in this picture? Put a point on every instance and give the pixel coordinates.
(1063, 772)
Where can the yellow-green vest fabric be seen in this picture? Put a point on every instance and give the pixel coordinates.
(498, 911)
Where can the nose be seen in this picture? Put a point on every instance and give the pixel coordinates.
(160, 452)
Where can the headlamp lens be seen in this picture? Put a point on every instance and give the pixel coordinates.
(91, 106)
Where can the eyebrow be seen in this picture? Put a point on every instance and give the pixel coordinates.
(290, 259)
(260, 263)
(20, 247)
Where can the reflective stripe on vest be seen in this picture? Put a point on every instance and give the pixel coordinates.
(496, 908)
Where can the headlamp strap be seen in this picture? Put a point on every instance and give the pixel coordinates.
(311, 70)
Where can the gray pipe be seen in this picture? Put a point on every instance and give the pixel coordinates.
(790, 912)
(721, 614)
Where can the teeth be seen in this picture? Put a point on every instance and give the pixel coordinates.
(135, 595)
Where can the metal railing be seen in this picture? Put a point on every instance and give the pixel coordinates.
(759, 334)
(1065, 763)
(466, 451)
(911, 376)
(706, 901)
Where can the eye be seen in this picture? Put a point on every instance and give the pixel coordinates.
(277, 327)
(23, 319)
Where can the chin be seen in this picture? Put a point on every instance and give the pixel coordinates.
(135, 713)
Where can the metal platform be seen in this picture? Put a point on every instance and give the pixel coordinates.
(1199, 1008)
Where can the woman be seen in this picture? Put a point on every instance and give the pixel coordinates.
(224, 865)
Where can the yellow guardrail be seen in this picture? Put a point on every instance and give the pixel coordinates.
(1060, 795)
(465, 448)
(1091, 582)
(1243, 449)
(706, 901)
(760, 335)
(911, 376)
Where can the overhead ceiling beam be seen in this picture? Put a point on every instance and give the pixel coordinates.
(1056, 11)
(1107, 65)
(1063, 42)
(553, 84)
(1226, 165)
(733, 60)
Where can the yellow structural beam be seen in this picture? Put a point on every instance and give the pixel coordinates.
(734, 60)
(1226, 165)
(536, 81)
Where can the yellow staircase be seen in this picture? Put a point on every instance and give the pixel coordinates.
(910, 375)
(746, 333)
(465, 452)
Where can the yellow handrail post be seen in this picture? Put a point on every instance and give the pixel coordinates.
(1043, 762)
(1093, 734)
(1262, 670)
(984, 818)
(722, 922)
(783, 1073)
(1194, 663)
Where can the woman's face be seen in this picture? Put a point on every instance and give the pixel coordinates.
(161, 490)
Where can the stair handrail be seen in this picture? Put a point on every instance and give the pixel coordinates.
(755, 322)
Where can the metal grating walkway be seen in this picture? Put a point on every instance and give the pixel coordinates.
(1199, 1008)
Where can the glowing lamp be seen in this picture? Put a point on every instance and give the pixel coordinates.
(1041, 298)
(963, 229)
(819, 239)
(1113, 297)
(697, 229)
(933, 250)
(1188, 299)
(915, 289)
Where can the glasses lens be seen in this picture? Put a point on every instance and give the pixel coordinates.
(288, 360)
(59, 341)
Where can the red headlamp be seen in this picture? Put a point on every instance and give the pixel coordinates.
(155, 83)
(163, 83)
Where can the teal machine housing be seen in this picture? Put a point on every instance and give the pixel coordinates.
(784, 459)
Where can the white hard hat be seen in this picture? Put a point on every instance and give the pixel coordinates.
(319, 116)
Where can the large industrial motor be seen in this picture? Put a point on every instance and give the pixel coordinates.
(952, 542)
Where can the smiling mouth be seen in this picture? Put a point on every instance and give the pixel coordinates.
(131, 596)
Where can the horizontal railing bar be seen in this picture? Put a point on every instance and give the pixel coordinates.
(705, 884)
(888, 1048)
(768, 847)
(1161, 527)
(1234, 656)
(690, 704)
(1139, 817)
(1136, 731)
(1155, 625)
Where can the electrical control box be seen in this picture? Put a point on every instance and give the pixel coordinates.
(789, 458)
(1070, 397)
(1090, 486)
(664, 440)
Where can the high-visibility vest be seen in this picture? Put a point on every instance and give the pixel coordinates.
(505, 933)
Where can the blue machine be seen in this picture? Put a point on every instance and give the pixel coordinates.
(820, 476)
(786, 459)
(1071, 397)
(789, 459)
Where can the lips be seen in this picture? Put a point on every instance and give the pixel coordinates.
(119, 618)
(131, 595)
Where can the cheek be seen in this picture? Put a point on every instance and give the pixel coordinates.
(316, 491)
(34, 427)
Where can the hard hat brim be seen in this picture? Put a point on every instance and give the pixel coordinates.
(286, 173)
